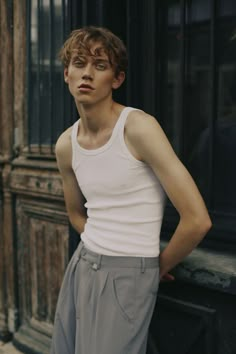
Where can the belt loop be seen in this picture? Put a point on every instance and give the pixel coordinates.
(97, 265)
(142, 265)
(99, 261)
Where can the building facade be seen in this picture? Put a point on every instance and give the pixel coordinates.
(182, 70)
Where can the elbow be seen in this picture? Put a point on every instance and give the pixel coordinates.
(77, 221)
(197, 226)
(206, 222)
(73, 223)
(207, 225)
(203, 225)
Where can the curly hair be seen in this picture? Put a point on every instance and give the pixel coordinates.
(81, 40)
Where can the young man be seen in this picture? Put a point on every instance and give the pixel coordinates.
(116, 163)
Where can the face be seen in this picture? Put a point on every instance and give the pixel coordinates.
(91, 78)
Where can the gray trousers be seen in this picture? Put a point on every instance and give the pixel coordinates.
(105, 304)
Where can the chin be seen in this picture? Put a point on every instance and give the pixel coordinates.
(85, 102)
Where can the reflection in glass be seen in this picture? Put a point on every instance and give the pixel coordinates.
(205, 126)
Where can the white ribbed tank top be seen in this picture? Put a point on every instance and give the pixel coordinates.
(124, 198)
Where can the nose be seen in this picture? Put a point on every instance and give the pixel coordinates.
(88, 72)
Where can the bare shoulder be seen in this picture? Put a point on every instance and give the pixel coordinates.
(64, 142)
(137, 118)
(143, 131)
(143, 135)
(63, 149)
(139, 124)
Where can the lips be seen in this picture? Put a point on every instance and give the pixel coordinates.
(86, 87)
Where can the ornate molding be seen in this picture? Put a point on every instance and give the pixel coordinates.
(37, 183)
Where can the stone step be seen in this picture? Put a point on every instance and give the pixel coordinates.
(8, 348)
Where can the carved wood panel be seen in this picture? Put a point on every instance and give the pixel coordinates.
(3, 311)
(42, 246)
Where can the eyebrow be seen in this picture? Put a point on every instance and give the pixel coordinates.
(76, 57)
(95, 58)
(101, 60)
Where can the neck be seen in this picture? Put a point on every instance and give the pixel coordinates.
(98, 117)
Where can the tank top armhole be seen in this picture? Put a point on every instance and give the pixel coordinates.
(122, 138)
(74, 132)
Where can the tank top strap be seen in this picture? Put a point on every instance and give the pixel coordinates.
(74, 133)
(123, 118)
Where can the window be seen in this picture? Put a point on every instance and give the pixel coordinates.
(48, 100)
(200, 101)
(182, 69)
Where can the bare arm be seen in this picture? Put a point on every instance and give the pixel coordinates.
(148, 143)
(74, 198)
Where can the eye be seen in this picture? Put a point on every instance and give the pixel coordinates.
(79, 63)
(100, 66)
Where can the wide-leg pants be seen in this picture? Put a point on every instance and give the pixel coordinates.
(105, 304)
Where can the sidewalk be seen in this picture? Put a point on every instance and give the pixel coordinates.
(8, 348)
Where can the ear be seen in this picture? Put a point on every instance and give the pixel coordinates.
(118, 80)
(66, 75)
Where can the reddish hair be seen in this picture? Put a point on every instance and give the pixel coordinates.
(81, 40)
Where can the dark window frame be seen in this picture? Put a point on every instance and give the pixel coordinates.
(144, 28)
(45, 84)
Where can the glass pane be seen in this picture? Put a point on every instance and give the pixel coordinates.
(173, 65)
(189, 90)
(33, 75)
(224, 187)
(198, 95)
(46, 94)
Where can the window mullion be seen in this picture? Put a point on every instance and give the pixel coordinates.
(214, 99)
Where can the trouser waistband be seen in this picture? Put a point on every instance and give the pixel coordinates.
(98, 260)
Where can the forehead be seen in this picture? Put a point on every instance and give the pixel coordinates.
(91, 49)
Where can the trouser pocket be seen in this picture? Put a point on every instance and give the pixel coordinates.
(123, 286)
